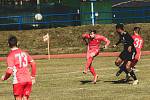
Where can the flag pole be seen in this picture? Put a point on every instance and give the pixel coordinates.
(48, 46)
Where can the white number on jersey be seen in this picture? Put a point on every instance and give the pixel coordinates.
(138, 43)
(22, 57)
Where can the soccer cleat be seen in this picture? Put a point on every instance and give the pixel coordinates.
(127, 77)
(84, 72)
(135, 70)
(118, 73)
(135, 82)
(95, 79)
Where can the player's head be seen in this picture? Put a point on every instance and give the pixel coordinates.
(119, 27)
(12, 41)
(92, 33)
(137, 30)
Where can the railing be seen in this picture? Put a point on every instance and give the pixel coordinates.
(71, 19)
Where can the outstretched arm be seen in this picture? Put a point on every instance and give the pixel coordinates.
(9, 71)
(107, 42)
(7, 74)
(118, 42)
(33, 72)
(33, 68)
(84, 38)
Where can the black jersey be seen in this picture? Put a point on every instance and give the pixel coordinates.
(126, 40)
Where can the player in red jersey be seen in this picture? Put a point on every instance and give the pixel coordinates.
(18, 63)
(93, 41)
(138, 44)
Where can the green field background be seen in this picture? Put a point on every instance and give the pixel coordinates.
(68, 39)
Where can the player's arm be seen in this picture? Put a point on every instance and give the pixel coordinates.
(130, 42)
(33, 68)
(107, 42)
(9, 71)
(142, 43)
(117, 42)
(7, 74)
(84, 38)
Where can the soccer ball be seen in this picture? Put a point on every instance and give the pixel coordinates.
(38, 16)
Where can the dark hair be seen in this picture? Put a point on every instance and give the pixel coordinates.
(120, 26)
(93, 31)
(137, 29)
(12, 41)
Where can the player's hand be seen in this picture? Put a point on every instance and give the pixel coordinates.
(2, 78)
(33, 80)
(114, 46)
(130, 49)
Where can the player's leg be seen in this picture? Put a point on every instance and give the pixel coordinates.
(25, 98)
(122, 68)
(27, 90)
(18, 98)
(90, 56)
(95, 53)
(92, 70)
(94, 74)
(131, 57)
(128, 67)
(18, 91)
(134, 62)
(118, 61)
(88, 64)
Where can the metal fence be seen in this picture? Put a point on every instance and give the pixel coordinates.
(73, 19)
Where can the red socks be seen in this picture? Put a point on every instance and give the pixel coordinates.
(88, 66)
(92, 71)
(88, 63)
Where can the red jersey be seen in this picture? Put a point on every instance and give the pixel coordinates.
(138, 43)
(19, 61)
(95, 43)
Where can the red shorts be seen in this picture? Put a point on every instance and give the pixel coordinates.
(22, 89)
(134, 62)
(92, 53)
(138, 56)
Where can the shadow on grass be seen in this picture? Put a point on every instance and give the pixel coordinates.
(87, 81)
(122, 81)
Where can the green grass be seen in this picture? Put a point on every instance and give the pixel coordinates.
(60, 79)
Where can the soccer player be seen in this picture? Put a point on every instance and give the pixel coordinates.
(93, 41)
(18, 63)
(128, 53)
(138, 44)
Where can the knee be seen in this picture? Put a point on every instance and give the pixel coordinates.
(117, 63)
(92, 55)
(128, 67)
(25, 97)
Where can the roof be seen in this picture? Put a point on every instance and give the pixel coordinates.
(130, 3)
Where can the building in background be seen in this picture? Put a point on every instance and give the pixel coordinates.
(59, 13)
(131, 11)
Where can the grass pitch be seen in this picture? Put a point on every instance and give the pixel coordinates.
(62, 79)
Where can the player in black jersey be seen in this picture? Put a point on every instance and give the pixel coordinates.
(128, 52)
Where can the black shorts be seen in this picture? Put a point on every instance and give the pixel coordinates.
(129, 56)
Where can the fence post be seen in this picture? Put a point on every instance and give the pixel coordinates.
(92, 12)
(20, 22)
